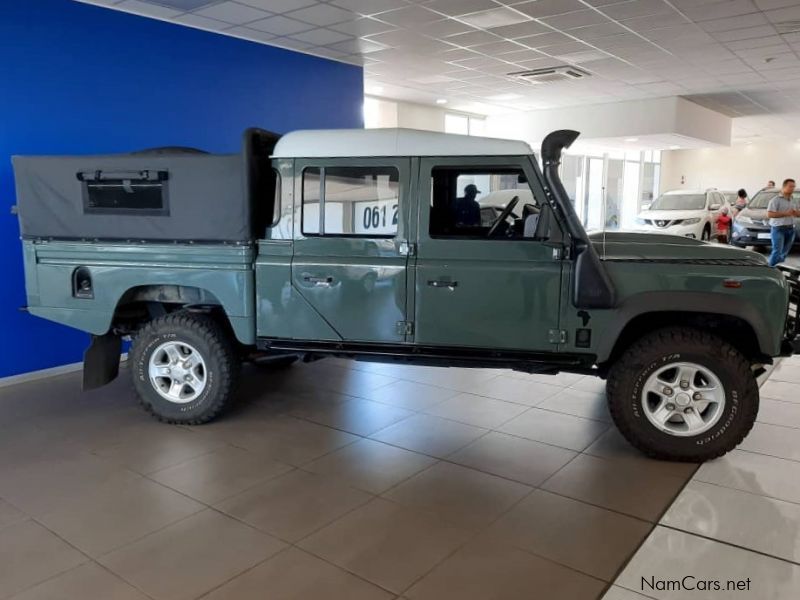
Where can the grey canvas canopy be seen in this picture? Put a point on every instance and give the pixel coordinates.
(169, 194)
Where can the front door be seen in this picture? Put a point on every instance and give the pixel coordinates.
(485, 283)
(350, 249)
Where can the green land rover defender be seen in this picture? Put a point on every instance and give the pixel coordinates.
(394, 245)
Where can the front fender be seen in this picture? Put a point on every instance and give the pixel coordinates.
(767, 329)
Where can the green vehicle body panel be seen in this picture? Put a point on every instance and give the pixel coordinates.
(503, 293)
(223, 271)
(511, 294)
(356, 284)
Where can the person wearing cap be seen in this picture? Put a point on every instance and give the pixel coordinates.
(467, 209)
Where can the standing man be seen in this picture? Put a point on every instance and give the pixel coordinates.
(781, 215)
(770, 184)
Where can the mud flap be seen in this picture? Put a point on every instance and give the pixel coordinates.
(101, 361)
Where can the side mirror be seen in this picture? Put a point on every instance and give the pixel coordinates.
(714, 207)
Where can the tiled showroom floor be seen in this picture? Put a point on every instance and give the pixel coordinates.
(353, 480)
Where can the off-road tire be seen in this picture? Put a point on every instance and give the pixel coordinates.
(217, 350)
(630, 372)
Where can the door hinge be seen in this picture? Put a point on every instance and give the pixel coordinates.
(405, 327)
(557, 336)
(407, 249)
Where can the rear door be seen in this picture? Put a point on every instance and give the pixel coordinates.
(350, 249)
(475, 290)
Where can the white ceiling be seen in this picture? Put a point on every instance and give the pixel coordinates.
(739, 57)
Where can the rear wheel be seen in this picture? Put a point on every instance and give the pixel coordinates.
(683, 394)
(184, 368)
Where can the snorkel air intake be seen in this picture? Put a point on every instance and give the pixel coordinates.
(591, 285)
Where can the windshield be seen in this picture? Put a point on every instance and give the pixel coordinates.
(762, 198)
(679, 202)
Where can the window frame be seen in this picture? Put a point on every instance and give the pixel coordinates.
(91, 180)
(484, 166)
(401, 165)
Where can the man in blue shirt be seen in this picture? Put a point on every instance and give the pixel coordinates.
(781, 215)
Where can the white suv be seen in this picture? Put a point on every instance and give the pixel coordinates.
(688, 213)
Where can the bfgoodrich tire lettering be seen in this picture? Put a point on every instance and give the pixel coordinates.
(673, 346)
(206, 337)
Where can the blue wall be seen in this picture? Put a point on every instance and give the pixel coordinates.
(80, 79)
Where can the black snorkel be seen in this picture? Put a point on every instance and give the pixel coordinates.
(591, 285)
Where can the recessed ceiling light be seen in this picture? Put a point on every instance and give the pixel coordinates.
(441, 101)
(631, 139)
(674, 147)
(375, 89)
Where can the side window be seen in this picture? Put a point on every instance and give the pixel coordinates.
(276, 200)
(355, 201)
(311, 201)
(477, 202)
(125, 192)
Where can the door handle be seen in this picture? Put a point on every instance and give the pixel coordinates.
(437, 283)
(319, 281)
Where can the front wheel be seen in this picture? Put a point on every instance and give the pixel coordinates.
(184, 368)
(683, 394)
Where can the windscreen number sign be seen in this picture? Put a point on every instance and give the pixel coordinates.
(378, 217)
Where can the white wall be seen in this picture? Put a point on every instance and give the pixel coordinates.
(732, 167)
(418, 116)
(655, 117)
(381, 113)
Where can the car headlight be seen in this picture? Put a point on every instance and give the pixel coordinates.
(744, 219)
(691, 221)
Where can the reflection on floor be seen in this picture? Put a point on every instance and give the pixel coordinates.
(328, 480)
(739, 516)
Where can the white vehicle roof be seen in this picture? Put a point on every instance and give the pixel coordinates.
(685, 192)
(335, 143)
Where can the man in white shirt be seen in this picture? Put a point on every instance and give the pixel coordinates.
(781, 215)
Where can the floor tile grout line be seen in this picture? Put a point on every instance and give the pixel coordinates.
(630, 590)
(255, 566)
(484, 530)
(748, 492)
(535, 487)
(367, 437)
(730, 544)
(90, 558)
(654, 524)
(781, 425)
(760, 453)
(658, 521)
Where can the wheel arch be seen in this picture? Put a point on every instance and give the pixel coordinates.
(142, 303)
(733, 328)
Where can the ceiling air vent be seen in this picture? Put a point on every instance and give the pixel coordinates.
(785, 27)
(550, 74)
